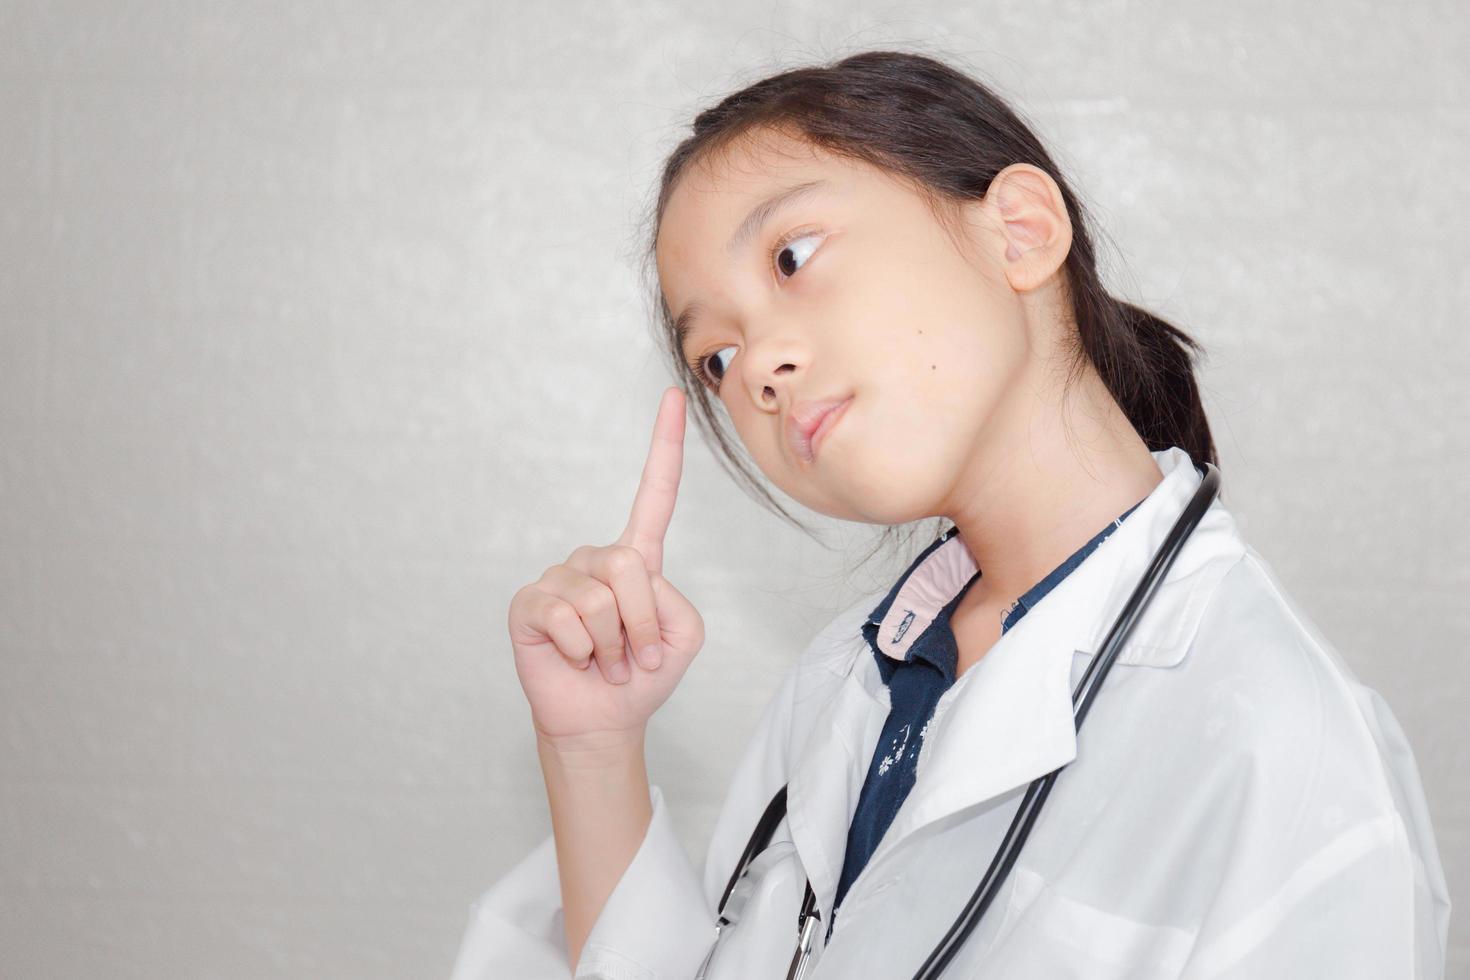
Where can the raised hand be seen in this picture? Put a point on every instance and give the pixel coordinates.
(610, 604)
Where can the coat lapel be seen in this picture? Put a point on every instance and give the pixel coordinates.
(823, 790)
(1009, 718)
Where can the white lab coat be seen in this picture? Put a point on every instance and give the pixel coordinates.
(1237, 804)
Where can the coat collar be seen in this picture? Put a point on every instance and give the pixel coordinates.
(1008, 719)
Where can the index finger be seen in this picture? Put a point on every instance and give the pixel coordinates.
(653, 505)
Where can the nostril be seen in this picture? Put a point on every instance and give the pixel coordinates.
(768, 392)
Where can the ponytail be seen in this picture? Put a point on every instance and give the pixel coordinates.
(1147, 364)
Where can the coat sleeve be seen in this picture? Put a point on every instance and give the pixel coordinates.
(1347, 911)
(658, 923)
(1340, 879)
(652, 924)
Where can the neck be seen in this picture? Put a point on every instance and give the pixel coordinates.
(1044, 486)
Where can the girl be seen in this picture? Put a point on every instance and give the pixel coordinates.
(878, 275)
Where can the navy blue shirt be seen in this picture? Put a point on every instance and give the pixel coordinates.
(918, 672)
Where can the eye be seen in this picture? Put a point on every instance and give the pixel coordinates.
(709, 377)
(782, 248)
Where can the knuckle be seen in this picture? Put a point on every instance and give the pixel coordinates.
(611, 647)
(519, 610)
(518, 600)
(623, 558)
(562, 614)
(643, 627)
(596, 598)
(608, 645)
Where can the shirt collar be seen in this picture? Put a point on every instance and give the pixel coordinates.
(920, 604)
(922, 599)
(1090, 591)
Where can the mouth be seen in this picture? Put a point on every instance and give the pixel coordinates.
(809, 422)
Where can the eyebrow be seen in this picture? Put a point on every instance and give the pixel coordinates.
(762, 212)
(753, 223)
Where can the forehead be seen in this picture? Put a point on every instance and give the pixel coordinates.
(714, 196)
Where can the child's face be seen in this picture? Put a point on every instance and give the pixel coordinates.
(869, 298)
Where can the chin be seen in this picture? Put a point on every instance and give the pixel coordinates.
(867, 495)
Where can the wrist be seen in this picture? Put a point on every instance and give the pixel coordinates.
(601, 809)
(591, 750)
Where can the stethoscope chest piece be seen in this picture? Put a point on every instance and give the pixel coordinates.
(755, 930)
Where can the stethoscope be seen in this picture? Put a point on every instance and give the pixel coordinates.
(1010, 846)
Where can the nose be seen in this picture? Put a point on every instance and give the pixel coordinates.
(770, 388)
(768, 391)
(771, 373)
(772, 365)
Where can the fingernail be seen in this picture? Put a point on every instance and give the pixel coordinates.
(618, 673)
(649, 657)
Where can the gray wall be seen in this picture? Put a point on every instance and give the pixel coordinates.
(320, 334)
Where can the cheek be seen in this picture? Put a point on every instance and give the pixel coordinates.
(940, 380)
(974, 373)
(911, 434)
(917, 433)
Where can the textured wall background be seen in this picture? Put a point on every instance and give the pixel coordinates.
(320, 334)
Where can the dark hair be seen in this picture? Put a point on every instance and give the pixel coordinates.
(947, 135)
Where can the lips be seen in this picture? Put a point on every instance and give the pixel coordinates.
(809, 422)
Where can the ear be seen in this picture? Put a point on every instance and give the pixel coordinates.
(1024, 203)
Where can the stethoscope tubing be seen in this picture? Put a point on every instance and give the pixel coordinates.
(1036, 793)
(1082, 698)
